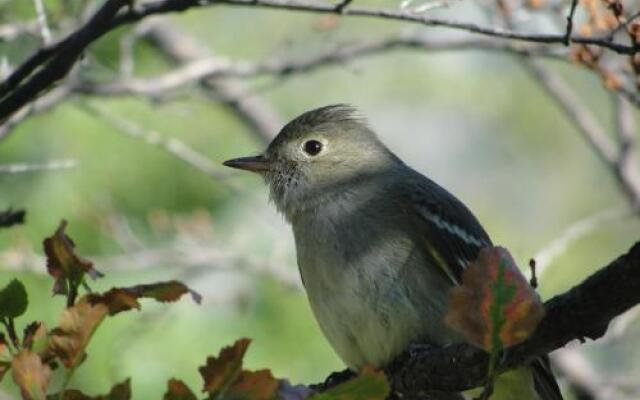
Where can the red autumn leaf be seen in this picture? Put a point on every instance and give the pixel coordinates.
(178, 390)
(495, 307)
(63, 263)
(120, 391)
(254, 385)
(219, 372)
(77, 324)
(224, 377)
(31, 375)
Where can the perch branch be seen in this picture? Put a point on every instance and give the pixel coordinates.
(582, 312)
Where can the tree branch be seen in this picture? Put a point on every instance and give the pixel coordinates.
(172, 146)
(209, 68)
(182, 49)
(582, 312)
(59, 58)
(615, 157)
(53, 62)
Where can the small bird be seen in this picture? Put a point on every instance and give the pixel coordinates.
(379, 246)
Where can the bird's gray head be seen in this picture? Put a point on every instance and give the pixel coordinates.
(322, 152)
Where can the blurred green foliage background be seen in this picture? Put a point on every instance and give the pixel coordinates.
(472, 121)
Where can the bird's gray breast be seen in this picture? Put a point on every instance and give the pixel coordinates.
(366, 279)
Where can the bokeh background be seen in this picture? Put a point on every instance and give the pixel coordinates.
(473, 121)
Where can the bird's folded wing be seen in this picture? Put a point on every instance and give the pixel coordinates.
(449, 232)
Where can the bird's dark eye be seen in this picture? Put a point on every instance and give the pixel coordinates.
(312, 147)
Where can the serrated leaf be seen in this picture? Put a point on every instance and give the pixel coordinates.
(120, 391)
(495, 307)
(253, 385)
(178, 390)
(35, 337)
(164, 291)
(63, 264)
(31, 375)
(370, 384)
(13, 300)
(220, 372)
(77, 324)
(124, 299)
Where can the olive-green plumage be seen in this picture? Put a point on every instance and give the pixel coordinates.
(378, 244)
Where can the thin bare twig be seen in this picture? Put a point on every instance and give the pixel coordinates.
(182, 48)
(576, 111)
(627, 167)
(581, 372)
(33, 167)
(576, 231)
(215, 67)
(579, 114)
(43, 25)
(10, 32)
(340, 7)
(569, 30)
(388, 14)
(53, 62)
(172, 146)
(41, 105)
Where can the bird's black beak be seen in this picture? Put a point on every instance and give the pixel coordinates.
(253, 164)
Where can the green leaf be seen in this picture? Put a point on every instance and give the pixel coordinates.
(13, 300)
(369, 385)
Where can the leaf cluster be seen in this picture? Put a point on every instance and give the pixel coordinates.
(34, 356)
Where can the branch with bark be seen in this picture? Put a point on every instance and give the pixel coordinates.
(52, 62)
(583, 312)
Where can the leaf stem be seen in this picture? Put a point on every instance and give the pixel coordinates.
(65, 383)
(73, 293)
(11, 331)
